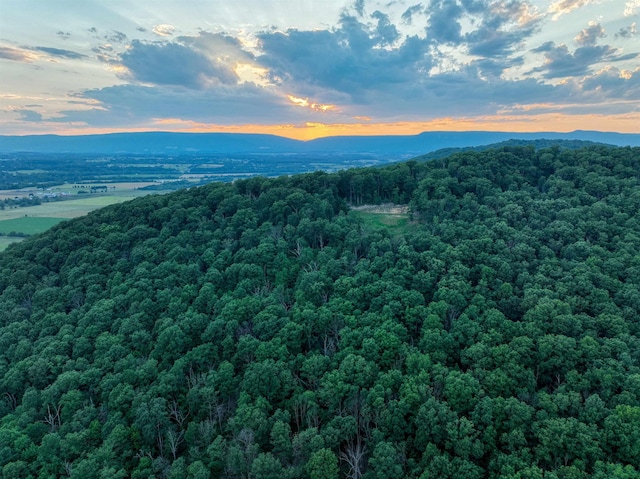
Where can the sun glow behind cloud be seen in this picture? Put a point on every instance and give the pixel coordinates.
(305, 103)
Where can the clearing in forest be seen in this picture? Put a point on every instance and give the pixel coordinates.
(391, 216)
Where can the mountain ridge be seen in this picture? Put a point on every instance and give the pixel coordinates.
(159, 142)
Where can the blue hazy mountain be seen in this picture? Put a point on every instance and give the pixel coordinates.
(228, 143)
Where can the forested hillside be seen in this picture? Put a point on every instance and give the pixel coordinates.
(261, 329)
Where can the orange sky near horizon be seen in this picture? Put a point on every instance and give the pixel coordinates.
(624, 123)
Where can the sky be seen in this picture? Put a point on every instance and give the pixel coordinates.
(305, 69)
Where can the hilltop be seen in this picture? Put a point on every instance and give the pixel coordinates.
(266, 328)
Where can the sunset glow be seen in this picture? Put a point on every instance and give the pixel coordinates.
(309, 70)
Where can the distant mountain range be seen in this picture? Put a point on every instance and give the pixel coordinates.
(166, 143)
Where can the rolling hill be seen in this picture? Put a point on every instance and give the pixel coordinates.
(266, 328)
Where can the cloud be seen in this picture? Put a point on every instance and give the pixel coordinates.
(631, 8)
(502, 29)
(407, 15)
(490, 68)
(589, 36)
(614, 83)
(116, 37)
(560, 63)
(163, 30)
(63, 35)
(487, 42)
(627, 32)
(463, 93)
(562, 7)
(405, 61)
(386, 32)
(8, 53)
(217, 46)
(348, 59)
(444, 21)
(60, 53)
(174, 64)
(29, 115)
(226, 104)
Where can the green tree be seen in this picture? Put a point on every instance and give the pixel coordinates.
(323, 464)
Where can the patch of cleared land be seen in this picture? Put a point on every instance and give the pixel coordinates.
(393, 217)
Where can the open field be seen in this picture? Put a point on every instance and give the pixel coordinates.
(29, 220)
(65, 208)
(115, 189)
(6, 241)
(395, 218)
(28, 225)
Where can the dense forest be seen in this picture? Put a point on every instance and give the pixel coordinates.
(263, 329)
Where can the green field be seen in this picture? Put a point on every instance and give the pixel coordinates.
(63, 209)
(28, 225)
(394, 219)
(31, 220)
(5, 241)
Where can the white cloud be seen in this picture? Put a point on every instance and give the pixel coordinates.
(631, 8)
(164, 30)
(562, 7)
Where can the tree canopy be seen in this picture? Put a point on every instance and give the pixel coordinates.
(263, 329)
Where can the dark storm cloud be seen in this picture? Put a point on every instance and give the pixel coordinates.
(174, 64)
(60, 53)
(29, 115)
(407, 15)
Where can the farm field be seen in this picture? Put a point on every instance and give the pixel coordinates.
(31, 220)
(28, 225)
(5, 241)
